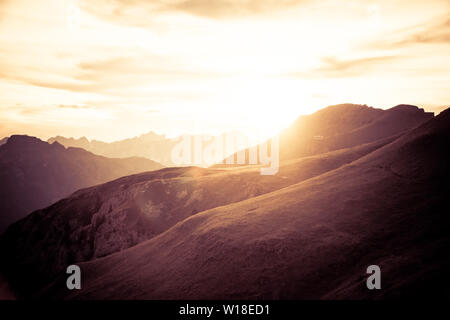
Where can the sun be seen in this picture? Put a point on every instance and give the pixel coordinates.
(266, 105)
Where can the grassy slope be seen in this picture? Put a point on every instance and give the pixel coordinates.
(101, 220)
(313, 239)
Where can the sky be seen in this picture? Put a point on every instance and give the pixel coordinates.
(113, 69)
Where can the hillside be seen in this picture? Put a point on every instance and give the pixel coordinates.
(122, 213)
(313, 239)
(347, 125)
(35, 174)
(343, 126)
(101, 220)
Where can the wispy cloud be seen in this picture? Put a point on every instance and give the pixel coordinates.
(431, 33)
(107, 75)
(73, 106)
(333, 67)
(144, 67)
(230, 8)
(67, 84)
(119, 10)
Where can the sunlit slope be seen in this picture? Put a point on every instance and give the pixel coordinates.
(313, 239)
(101, 220)
(341, 126)
(347, 125)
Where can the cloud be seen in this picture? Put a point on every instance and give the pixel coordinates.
(146, 67)
(36, 80)
(230, 8)
(43, 109)
(141, 12)
(73, 106)
(334, 68)
(109, 75)
(115, 74)
(432, 33)
(435, 31)
(68, 84)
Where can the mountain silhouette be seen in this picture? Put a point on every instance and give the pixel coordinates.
(313, 239)
(153, 146)
(35, 174)
(150, 145)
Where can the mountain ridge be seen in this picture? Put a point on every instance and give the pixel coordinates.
(233, 221)
(341, 126)
(35, 173)
(148, 204)
(227, 252)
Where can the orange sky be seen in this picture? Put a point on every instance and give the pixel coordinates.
(111, 69)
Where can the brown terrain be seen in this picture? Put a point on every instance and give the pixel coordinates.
(311, 240)
(308, 232)
(35, 174)
(341, 126)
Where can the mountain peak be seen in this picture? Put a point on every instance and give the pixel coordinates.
(345, 107)
(57, 144)
(83, 139)
(18, 139)
(407, 108)
(20, 142)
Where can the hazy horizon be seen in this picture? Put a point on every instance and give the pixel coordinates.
(254, 137)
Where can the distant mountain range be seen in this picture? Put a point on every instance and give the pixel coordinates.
(331, 128)
(35, 174)
(151, 146)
